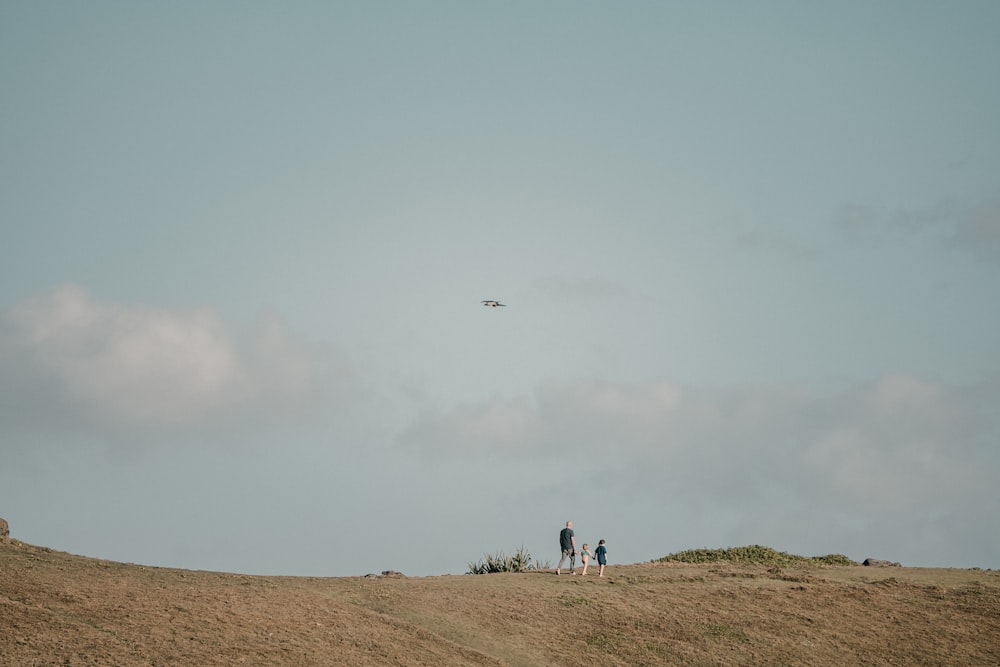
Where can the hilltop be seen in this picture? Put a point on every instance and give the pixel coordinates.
(61, 609)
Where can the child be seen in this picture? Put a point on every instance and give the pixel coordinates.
(585, 558)
(602, 556)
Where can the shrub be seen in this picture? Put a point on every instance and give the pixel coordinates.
(834, 559)
(751, 554)
(519, 561)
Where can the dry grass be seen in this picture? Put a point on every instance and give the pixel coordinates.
(59, 609)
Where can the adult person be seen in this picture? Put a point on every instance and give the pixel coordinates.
(567, 544)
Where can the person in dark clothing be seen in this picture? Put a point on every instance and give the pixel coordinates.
(567, 544)
(602, 556)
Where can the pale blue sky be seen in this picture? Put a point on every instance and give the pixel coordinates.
(750, 252)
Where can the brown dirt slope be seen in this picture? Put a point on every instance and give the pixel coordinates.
(60, 609)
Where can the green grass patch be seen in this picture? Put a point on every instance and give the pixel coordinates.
(754, 554)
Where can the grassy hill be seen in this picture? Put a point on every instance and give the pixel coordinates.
(60, 609)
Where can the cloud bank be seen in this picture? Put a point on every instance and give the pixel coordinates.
(901, 465)
(899, 441)
(125, 365)
(973, 229)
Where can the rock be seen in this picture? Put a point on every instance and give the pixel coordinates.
(4, 530)
(875, 562)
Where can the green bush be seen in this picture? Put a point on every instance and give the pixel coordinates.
(834, 559)
(519, 561)
(754, 554)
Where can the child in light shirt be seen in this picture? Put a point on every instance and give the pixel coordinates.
(585, 558)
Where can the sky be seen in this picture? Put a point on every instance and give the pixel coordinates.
(750, 256)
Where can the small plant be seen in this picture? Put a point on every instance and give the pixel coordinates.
(519, 561)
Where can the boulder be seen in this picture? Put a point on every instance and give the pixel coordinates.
(4, 530)
(875, 562)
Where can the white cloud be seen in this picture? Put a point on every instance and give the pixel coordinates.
(129, 365)
(900, 442)
(510, 425)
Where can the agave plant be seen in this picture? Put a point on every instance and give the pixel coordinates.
(519, 561)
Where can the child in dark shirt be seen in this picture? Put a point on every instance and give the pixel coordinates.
(601, 553)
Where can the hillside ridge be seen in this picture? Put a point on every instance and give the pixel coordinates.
(58, 608)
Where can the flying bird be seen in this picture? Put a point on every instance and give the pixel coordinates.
(493, 304)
